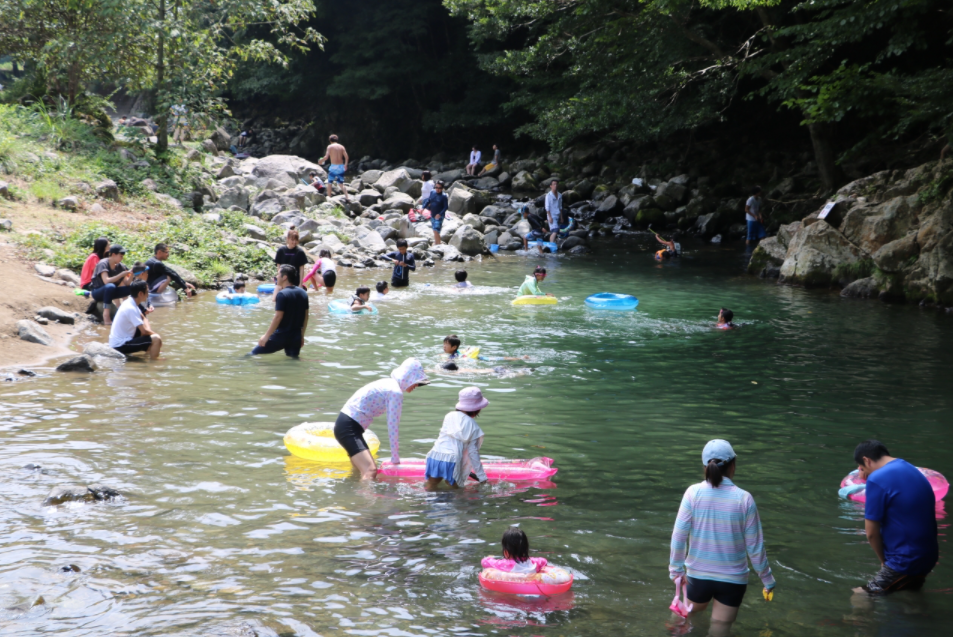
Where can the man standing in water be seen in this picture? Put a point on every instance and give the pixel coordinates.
(554, 206)
(900, 520)
(338, 156)
(291, 317)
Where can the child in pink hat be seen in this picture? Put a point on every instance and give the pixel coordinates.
(456, 454)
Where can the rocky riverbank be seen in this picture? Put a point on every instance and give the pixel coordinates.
(887, 236)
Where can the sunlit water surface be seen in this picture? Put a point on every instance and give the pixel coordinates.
(221, 532)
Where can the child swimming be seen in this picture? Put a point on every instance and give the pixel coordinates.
(456, 453)
(724, 320)
(451, 346)
(380, 292)
(516, 557)
(530, 286)
(359, 299)
(461, 277)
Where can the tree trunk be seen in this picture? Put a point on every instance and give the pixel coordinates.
(162, 119)
(830, 172)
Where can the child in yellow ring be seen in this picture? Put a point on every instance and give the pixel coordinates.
(530, 286)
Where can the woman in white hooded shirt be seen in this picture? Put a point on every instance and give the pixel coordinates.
(456, 454)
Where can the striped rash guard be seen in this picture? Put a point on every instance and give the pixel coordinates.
(720, 529)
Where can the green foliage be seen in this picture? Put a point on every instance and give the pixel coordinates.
(848, 272)
(47, 190)
(940, 186)
(202, 248)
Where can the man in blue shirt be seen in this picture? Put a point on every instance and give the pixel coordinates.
(437, 203)
(900, 519)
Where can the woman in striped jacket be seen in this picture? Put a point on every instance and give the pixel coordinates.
(719, 529)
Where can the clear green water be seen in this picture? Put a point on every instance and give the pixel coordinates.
(219, 528)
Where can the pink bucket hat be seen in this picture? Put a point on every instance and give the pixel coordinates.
(471, 399)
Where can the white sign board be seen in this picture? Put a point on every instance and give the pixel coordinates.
(827, 209)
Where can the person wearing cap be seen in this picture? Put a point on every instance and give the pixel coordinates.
(160, 275)
(110, 281)
(456, 453)
(719, 526)
(384, 396)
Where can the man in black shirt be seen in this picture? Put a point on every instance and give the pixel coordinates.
(160, 275)
(403, 264)
(291, 317)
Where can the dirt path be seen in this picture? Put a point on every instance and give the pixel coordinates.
(24, 294)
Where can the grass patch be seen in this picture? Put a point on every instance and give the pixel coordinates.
(204, 249)
(47, 190)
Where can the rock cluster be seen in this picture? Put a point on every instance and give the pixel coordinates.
(883, 235)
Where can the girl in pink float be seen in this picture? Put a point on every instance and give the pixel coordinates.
(516, 557)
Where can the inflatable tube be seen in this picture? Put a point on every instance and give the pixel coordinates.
(552, 580)
(339, 306)
(610, 301)
(228, 298)
(531, 299)
(166, 299)
(316, 441)
(546, 244)
(854, 487)
(510, 470)
(266, 288)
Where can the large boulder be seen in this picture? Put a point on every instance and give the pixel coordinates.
(107, 189)
(474, 221)
(523, 181)
(769, 253)
(450, 176)
(369, 197)
(449, 227)
(467, 240)
(462, 201)
(56, 314)
(446, 252)
(287, 170)
(255, 232)
(397, 178)
(236, 196)
(521, 229)
(292, 217)
(68, 275)
(648, 217)
(32, 332)
(398, 201)
(635, 204)
(95, 349)
(485, 183)
(814, 253)
(373, 242)
(220, 138)
(861, 289)
(496, 212)
(267, 209)
(585, 188)
(892, 257)
(368, 177)
(872, 227)
(786, 233)
(675, 191)
(609, 207)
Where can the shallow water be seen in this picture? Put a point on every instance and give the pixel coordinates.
(221, 532)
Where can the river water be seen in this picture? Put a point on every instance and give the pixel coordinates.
(221, 532)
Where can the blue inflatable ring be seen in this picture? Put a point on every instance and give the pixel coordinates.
(339, 306)
(546, 244)
(610, 301)
(226, 298)
(266, 288)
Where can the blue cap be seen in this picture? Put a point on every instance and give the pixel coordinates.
(719, 450)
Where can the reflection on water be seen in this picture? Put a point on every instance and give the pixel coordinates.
(222, 532)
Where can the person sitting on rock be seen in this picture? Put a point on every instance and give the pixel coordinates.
(160, 275)
(130, 331)
(100, 247)
(724, 319)
(474, 161)
(316, 182)
(427, 187)
(108, 273)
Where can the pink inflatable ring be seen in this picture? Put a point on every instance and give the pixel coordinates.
(510, 470)
(552, 580)
(853, 487)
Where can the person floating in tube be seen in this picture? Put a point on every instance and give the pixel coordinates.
(530, 286)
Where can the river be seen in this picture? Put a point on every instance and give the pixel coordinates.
(221, 532)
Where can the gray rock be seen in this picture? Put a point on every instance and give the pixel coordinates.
(212, 217)
(585, 188)
(67, 275)
(373, 242)
(108, 189)
(450, 176)
(521, 229)
(266, 209)
(893, 256)
(370, 176)
(397, 178)
(68, 493)
(467, 240)
(168, 200)
(449, 227)
(288, 218)
(485, 183)
(41, 320)
(235, 196)
(504, 178)
(862, 289)
(193, 155)
(149, 184)
(398, 201)
(233, 182)
(6, 224)
(56, 314)
(5, 190)
(446, 252)
(677, 192)
(77, 364)
(225, 171)
(496, 212)
(44, 270)
(333, 242)
(255, 232)
(492, 237)
(220, 138)
(209, 147)
(369, 197)
(462, 201)
(386, 232)
(572, 242)
(707, 225)
(31, 331)
(474, 221)
(68, 203)
(579, 250)
(609, 207)
(814, 253)
(523, 181)
(96, 209)
(287, 170)
(101, 349)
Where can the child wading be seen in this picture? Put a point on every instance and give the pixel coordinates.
(456, 454)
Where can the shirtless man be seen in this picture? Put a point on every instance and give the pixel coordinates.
(338, 156)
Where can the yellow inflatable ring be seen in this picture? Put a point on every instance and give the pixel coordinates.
(531, 299)
(316, 441)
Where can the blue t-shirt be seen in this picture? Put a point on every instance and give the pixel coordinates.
(902, 500)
